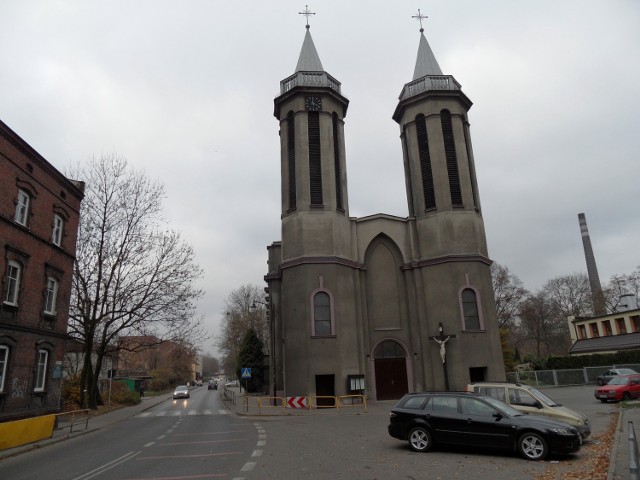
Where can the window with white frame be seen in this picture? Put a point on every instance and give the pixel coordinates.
(12, 283)
(4, 360)
(50, 294)
(58, 224)
(41, 370)
(22, 208)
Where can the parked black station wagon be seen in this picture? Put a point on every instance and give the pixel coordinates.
(474, 420)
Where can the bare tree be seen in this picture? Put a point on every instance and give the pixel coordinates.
(245, 309)
(509, 293)
(542, 325)
(622, 285)
(571, 294)
(132, 276)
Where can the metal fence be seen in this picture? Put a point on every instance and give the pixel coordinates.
(566, 377)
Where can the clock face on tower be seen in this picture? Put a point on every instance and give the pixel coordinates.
(313, 103)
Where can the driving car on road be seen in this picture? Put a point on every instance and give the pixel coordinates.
(621, 387)
(473, 420)
(213, 385)
(612, 373)
(528, 399)
(181, 392)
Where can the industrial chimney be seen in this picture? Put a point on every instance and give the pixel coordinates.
(597, 297)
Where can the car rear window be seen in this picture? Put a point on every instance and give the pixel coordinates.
(414, 403)
(495, 392)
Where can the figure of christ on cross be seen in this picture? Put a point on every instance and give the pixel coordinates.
(442, 340)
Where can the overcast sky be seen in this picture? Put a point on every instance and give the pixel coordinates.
(184, 90)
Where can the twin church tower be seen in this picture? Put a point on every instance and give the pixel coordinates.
(379, 305)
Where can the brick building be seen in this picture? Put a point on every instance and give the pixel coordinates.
(39, 215)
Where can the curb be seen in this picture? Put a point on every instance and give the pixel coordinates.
(611, 472)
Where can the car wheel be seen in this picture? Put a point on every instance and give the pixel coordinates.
(420, 439)
(626, 396)
(532, 446)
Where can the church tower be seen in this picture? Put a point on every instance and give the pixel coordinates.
(379, 305)
(451, 260)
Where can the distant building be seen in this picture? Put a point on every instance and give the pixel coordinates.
(609, 333)
(39, 215)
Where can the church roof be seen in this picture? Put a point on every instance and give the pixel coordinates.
(309, 60)
(426, 63)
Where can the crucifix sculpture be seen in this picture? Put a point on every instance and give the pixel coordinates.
(442, 339)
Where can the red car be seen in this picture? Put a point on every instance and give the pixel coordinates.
(621, 387)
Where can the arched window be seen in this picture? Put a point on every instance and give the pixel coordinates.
(41, 370)
(58, 225)
(428, 189)
(12, 283)
(4, 360)
(291, 160)
(50, 294)
(389, 349)
(470, 310)
(22, 208)
(322, 324)
(452, 158)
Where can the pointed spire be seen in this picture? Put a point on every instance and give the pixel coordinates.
(426, 64)
(309, 60)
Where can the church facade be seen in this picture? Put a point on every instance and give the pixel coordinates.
(379, 305)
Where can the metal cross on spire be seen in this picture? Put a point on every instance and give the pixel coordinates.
(420, 17)
(306, 13)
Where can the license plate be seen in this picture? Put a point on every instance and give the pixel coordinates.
(602, 395)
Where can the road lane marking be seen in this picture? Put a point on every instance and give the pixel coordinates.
(257, 453)
(200, 455)
(107, 466)
(248, 467)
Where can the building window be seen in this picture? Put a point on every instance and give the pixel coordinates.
(452, 158)
(4, 360)
(58, 224)
(621, 326)
(315, 163)
(336, 157)
(322, 325)
(607, 327)
(51, 292)
(22, 208)
(41, 370)
(12, 284)
(582, 331)
(470, 309)
(291, 159)
(594, 330)
(635, 321)
(428, 189)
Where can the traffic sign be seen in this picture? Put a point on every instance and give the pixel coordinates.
(246, 372)
(297, 402)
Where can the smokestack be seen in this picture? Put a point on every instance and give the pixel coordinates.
(597, 297)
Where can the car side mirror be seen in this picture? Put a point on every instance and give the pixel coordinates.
(497, 415)
(538, 405)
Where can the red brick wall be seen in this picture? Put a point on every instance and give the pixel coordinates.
(25, 328)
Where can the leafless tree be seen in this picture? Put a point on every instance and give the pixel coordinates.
(509, 293)
(245, 309)
(542, 325)
(571, 294)
(132, 276)
(621, 285)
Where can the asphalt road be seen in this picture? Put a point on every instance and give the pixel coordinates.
(179, 439)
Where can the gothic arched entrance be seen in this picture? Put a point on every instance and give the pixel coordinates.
(390, 360)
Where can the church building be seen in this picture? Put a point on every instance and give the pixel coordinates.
(379, 305)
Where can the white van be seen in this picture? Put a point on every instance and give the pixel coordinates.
(531, 400)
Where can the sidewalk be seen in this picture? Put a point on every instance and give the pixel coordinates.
(95, 423)
(621, 450)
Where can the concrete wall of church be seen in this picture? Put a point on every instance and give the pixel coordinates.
(441, 287)
(307, 355)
